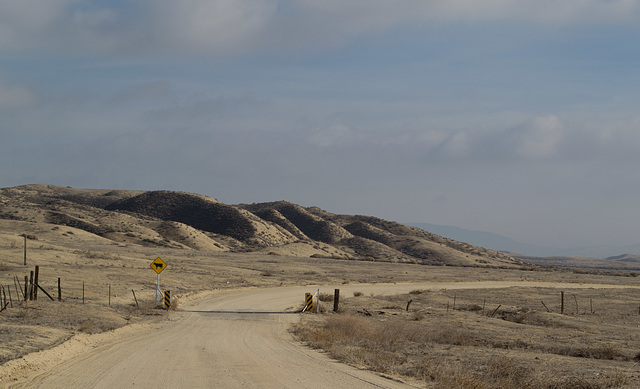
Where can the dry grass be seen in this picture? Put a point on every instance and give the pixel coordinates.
(403, 349)
(469, 348)
(325, 297)
(47, 323)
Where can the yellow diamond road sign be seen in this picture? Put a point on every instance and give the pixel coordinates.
(158, 265)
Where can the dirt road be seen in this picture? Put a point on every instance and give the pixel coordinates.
(236, 339)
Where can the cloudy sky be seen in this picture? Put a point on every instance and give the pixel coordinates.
(518, 117)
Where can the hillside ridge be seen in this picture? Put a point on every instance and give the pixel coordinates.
(197, 222)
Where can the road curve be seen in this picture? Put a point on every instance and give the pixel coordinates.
(228, 340)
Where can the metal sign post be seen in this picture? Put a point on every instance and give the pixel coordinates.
(158, 289)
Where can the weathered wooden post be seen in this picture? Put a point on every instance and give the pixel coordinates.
(18, 290)
(336, 300)
(59, 290)
(562, 302)
(31, 285)
(35, 282)
(25, 249)
(134, 297)
(26, 288)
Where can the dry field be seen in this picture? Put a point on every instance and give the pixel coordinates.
(447, 338)
(487, 338)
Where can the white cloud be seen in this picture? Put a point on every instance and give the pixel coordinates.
(336, 134)
(541, 11)
(541, 137)
(214, 26)
(460, 144)
(31, 23)
(239, 26)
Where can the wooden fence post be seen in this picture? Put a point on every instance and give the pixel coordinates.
(35, 282)
(45, 292)
(26, 288)
(31, 285)
(59, 290)
(134, 297)
(25, 249)
(336, 300)
(18, 290)
(562, 302)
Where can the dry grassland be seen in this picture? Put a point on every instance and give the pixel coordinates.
(488, 338)
(518, 345)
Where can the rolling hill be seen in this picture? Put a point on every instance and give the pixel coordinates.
(196, 222)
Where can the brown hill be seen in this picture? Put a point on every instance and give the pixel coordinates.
(196, 222)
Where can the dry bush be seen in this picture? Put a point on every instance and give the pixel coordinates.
(418, 315)
(357, 294)
(605, 352)
(326, 297)
(86, 327)
(4, 267)
(175, 303)
(417, 291)
(470, 308)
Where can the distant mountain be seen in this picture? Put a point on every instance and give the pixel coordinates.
(180, 220)
(501, 243)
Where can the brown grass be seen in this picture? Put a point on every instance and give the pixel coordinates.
(326, 297)
(386, 347)
(469, 348)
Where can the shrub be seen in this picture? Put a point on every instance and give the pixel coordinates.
(326, 297)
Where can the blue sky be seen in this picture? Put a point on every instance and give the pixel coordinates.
(517, 117)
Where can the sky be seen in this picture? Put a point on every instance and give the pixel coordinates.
(517, 117)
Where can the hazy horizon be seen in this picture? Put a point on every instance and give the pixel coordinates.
(513, 117)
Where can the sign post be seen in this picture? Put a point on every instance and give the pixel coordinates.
(158, 266)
